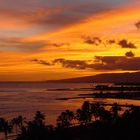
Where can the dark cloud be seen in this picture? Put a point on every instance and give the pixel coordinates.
(58, 44)
(125, 44)
(98, 41)
(111, 42)
(41, 62)
(117, 63)
(92, 40)
(106, 59)
(129, 54)
(138, 25)
(76, 64)
(106, 63)
(99, 63)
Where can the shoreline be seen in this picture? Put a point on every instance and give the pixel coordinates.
(127, 96)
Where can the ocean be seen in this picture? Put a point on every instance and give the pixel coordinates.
(26, 98)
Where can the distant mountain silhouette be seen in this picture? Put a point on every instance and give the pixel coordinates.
(104, 78)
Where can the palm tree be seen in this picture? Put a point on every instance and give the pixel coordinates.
(104, 114)
(35, 129)
(65, 119)
(135, 112)
(14, 123)
(115, 110)
(21, 121)
(86, 106)
(70, 115)
(80, 116)
(126, 115)
(95, 107)
(83, 117)
(39, 118)
(5, 127)
(18, 123)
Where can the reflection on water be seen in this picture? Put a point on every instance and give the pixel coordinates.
(26, 98)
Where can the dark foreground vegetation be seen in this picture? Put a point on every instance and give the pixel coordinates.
(93, 121)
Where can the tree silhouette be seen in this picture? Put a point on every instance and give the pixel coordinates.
(17, 122)
(81, 116)
(115, 110)
(65, 119)
(86, 106)
(5, 127)
(84, 115)
(95, 110)
(108, 124)
(104, 114)
(39, 118)
(35, 129)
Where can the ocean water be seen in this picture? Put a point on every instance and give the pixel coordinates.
(27, 98)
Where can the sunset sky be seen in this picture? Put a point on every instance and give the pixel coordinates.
(57, 39)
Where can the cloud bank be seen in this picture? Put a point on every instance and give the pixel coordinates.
(127, 62)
